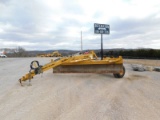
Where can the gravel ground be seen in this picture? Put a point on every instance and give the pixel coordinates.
(77, 96)
(144, 62)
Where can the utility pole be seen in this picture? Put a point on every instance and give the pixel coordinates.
(81, 42)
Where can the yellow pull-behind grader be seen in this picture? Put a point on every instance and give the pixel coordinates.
(82, 63)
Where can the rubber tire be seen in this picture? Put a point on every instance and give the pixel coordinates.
(118, 75)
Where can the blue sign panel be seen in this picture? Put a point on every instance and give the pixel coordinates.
(101, 28)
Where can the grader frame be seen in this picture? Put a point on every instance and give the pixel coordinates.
(82, 63)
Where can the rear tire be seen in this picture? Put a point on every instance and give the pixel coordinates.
(119, 75)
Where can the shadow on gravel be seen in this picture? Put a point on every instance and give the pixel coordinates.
(108, 75)
(136, 77)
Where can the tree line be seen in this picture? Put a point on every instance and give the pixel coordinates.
(136, 53)
(19, 52)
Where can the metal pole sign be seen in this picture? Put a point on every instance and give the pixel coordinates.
(101, 29)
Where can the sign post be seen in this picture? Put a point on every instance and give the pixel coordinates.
(101, 29)
(101, 46)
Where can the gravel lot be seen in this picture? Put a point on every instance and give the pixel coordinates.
(77, 96)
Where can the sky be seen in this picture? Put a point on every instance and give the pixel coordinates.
(57, 24)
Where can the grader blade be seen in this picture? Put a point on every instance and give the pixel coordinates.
(107, 65)
(94, 68)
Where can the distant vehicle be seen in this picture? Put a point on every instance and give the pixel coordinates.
(53, 54)
(3, 56)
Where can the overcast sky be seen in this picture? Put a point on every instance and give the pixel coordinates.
(57, 24)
